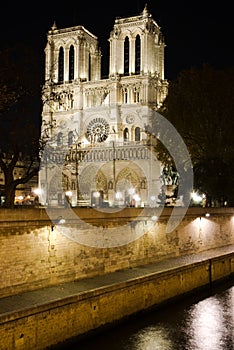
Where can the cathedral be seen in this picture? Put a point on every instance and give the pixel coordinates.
(98, 150)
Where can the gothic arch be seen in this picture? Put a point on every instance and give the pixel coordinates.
(101, 181)
(71, 41)
(125, 33)
(126, 179)
(92, 179)
(59, 43)
(138, 31)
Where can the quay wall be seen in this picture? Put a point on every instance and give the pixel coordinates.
(43, 326)
(37, 251)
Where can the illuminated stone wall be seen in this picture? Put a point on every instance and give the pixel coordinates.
(36, 251)
(41, 326)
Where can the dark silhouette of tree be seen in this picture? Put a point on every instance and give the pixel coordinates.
(200, 106)
(20, 110)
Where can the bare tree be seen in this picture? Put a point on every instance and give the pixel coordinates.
(20, 110)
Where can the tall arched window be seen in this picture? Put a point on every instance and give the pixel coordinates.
(126, 56)
(61, 65)
(126, 134)
(89, 63)
(137, 55)
(136, 95)
(125, 95)
(137, 134)
(71, 63)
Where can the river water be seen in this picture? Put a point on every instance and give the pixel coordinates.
(201, 321)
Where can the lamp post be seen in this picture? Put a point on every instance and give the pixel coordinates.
(46, 180)
(114, 170)
(77, 177)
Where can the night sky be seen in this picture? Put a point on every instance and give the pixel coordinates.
(195, 32)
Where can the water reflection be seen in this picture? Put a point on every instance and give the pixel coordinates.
(199, 322)
(157, 337)
(206, 326)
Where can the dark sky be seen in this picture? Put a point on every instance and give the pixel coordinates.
(195, 32)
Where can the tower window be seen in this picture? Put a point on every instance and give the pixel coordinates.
(61, 65)
(137, 54)
(136, 95)
(126, 134)
(126, 56)
(137, 134)
(71, 63)
(89, 63)
(125, 95)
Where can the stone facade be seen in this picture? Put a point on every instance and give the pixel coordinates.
(97, 130)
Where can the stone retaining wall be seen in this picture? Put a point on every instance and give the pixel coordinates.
(37, 251)
(45, 325)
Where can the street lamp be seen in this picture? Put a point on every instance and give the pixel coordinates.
(77, 175)
(68, 195)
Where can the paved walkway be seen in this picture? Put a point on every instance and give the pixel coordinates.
(45, 296)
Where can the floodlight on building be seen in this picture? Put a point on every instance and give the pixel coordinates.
(119, 195)
(136, 197)
(196, 197)
(68, 193)
(96, 194)
(37, 191)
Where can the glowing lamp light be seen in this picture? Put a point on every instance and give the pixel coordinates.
(197, 197)
(37, 191)
(118, 195)
(136, 197)
(68, 193)
(96, 194)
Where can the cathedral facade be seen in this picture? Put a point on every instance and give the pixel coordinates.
(98, 150)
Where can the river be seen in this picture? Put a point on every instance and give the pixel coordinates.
(199, 321)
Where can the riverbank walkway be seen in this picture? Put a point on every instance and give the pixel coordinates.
(11, 305)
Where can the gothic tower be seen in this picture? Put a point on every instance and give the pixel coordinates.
(96, 129)
(137, 47)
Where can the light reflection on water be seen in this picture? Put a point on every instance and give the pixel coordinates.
(201, 322)
(151, 338)
(206, 325)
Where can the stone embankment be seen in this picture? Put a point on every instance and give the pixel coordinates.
(62, 280)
